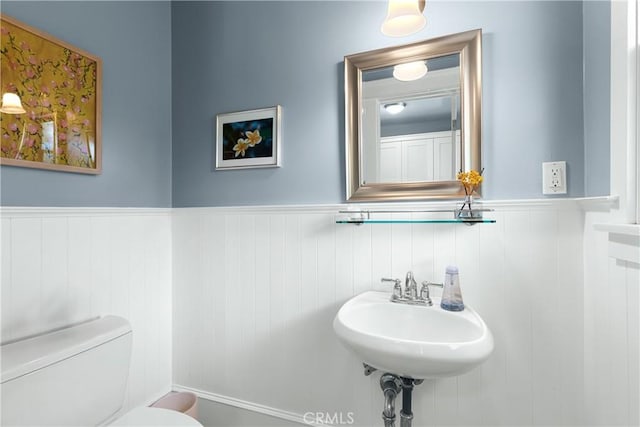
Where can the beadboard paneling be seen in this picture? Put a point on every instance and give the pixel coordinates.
(61, 267)
(255, 293)
(256, 289)
(611, 330)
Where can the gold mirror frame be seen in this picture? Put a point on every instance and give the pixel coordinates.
(469, 45)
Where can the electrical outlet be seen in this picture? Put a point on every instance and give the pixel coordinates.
(554, 178)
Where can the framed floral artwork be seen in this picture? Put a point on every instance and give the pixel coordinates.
(249, 139)
(54, 90)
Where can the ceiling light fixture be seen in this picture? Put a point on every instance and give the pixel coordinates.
(11, 104)
(404, 17)
(410, 71)
(395, 107)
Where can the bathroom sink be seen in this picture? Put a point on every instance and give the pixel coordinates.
(412, 341)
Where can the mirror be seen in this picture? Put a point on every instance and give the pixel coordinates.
(413, 118)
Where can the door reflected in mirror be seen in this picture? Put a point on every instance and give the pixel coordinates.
(411, 128)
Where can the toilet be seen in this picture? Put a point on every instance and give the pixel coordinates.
(75, 376)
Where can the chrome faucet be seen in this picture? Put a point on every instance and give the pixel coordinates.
(410, 287)
(410, 294)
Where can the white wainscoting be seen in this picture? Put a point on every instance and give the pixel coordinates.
(62, 266)
(256, 290)
(612, 329)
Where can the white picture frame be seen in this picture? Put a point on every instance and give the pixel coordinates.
(249, 139)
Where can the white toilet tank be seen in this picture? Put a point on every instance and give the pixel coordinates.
(71, 377)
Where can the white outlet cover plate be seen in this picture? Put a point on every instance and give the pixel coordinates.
(554, 178)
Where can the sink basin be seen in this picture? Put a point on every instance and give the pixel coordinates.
(412, 341)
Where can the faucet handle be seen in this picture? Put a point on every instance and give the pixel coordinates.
(428, 283)
(424, 292)
(397, 287)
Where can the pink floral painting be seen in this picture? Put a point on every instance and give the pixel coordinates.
(59, 88)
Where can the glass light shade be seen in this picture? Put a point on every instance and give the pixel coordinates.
(410, 71)
(395, 108)
(403, 18)
(11, 104)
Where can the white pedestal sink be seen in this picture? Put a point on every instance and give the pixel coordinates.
(413, 341)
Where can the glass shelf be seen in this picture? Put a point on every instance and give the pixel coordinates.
(416, 221)
(436, 216)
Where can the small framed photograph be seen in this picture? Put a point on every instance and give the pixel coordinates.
(249, 139)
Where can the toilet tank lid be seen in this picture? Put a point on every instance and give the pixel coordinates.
(24, 356)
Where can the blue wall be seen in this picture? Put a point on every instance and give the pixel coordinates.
(413, 127)
(134, 41)
(230, 56)
(169, 68)
(597, 96)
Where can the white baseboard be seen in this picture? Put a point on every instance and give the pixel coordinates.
(250, 406)
(158, 395)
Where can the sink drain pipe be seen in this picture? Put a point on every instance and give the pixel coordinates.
(391, 386)
(406, 416)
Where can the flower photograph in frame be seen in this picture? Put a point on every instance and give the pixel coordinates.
(248, 139)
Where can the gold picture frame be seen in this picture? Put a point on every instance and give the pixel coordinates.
(59, 86)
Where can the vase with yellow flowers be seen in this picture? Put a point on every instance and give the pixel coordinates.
(470, 182)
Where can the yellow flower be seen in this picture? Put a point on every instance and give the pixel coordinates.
(253, 138)
(470, 180)
(241, 147)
